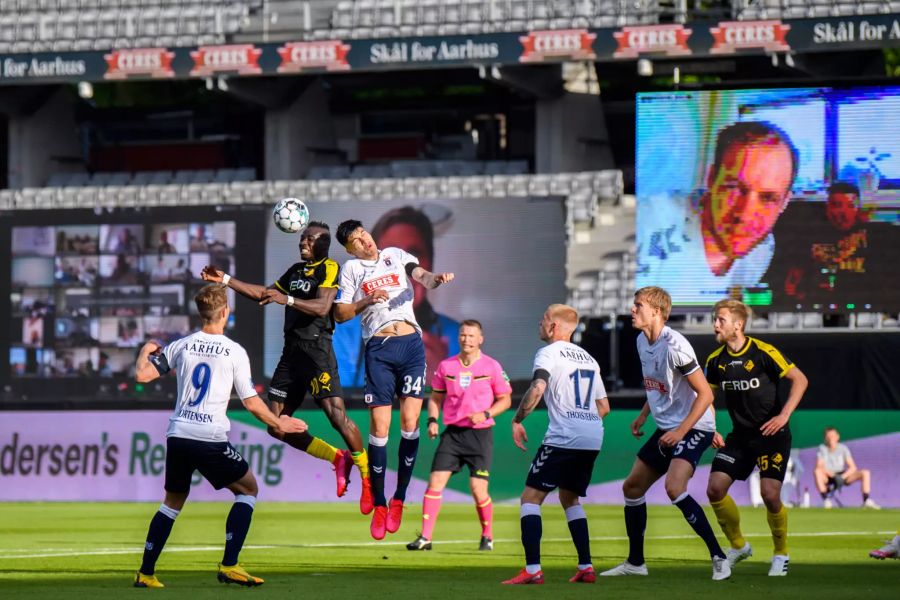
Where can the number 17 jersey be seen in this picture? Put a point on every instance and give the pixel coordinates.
(207, 366)
(572, 390)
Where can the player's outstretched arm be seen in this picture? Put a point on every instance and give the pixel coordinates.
(282, 424)
(317, 307)
(144, 370)
(704, 400)
(428, 279)
(799, 383)
(247, 290)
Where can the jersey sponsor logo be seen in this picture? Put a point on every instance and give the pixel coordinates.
(208, 349)
(574, 355)
(303, 285)
(384, 281)
(653, 385)
(740, 385)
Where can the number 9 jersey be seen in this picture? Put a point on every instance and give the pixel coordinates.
(207, 367)
(573, 387)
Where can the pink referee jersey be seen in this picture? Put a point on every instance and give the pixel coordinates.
(469, 389)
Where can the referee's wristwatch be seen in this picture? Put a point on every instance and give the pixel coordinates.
(487, 415)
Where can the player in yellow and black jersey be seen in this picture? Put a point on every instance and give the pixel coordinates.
(308, 365)
(746, 372)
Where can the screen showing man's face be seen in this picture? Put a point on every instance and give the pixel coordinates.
(747, 193)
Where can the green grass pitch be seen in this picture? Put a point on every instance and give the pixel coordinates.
(91, 550)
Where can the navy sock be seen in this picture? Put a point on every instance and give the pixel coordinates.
(160, 528)
(532, 529)
(236, 527)
(696, 518)
(409, 448)
(635, 525)
(578, 527)
(377, 466)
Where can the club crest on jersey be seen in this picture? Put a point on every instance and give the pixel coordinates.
(749, 365)
(465, 379)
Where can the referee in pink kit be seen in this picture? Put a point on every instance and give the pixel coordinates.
(473, 389)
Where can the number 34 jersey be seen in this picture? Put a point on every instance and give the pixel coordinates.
(572, 390)
(207, 366)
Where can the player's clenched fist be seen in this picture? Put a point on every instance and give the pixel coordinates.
(210, 273)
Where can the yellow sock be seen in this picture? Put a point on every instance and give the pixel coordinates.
(361, 460)
(729, 519)
(322, 449)
(778, 525)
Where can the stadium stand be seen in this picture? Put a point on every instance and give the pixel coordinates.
(748, 10)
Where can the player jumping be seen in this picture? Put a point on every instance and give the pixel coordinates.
(307, 291)
(375, 284)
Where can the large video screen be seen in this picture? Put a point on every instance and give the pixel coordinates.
(786, 198)
(508, 255)
(84, 296)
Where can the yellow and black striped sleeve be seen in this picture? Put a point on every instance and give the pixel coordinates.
(782, 364)
(330, 279)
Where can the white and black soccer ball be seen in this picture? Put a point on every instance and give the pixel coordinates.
(290, 215)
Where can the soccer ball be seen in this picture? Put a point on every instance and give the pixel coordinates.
(290, 215)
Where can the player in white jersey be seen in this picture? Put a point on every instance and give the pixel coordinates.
(680, 400)
(376, 285)
(207, 365)
(568, 378)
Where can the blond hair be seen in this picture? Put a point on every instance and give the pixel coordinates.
(739, 311)
(564, 314)
(657, 298)
(210, 300)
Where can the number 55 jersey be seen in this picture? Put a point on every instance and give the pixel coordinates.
(207, 366)
(573, 387)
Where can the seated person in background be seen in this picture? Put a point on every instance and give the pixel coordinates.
(836, 468)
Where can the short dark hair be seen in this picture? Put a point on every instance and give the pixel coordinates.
(843, 187)
(321, 224)
(345, 229)
(752, 131)
(407, 215)
(471, 323)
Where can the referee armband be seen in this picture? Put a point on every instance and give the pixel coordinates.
(542, 374)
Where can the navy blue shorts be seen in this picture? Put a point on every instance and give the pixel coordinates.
(218, 462)
(564, 468)
(690, 448)
(395, 365)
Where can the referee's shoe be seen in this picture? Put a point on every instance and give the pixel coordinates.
(420, 543)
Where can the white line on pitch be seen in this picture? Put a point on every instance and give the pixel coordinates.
(64, 552)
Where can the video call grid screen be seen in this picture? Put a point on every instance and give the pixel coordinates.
(85, 297)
